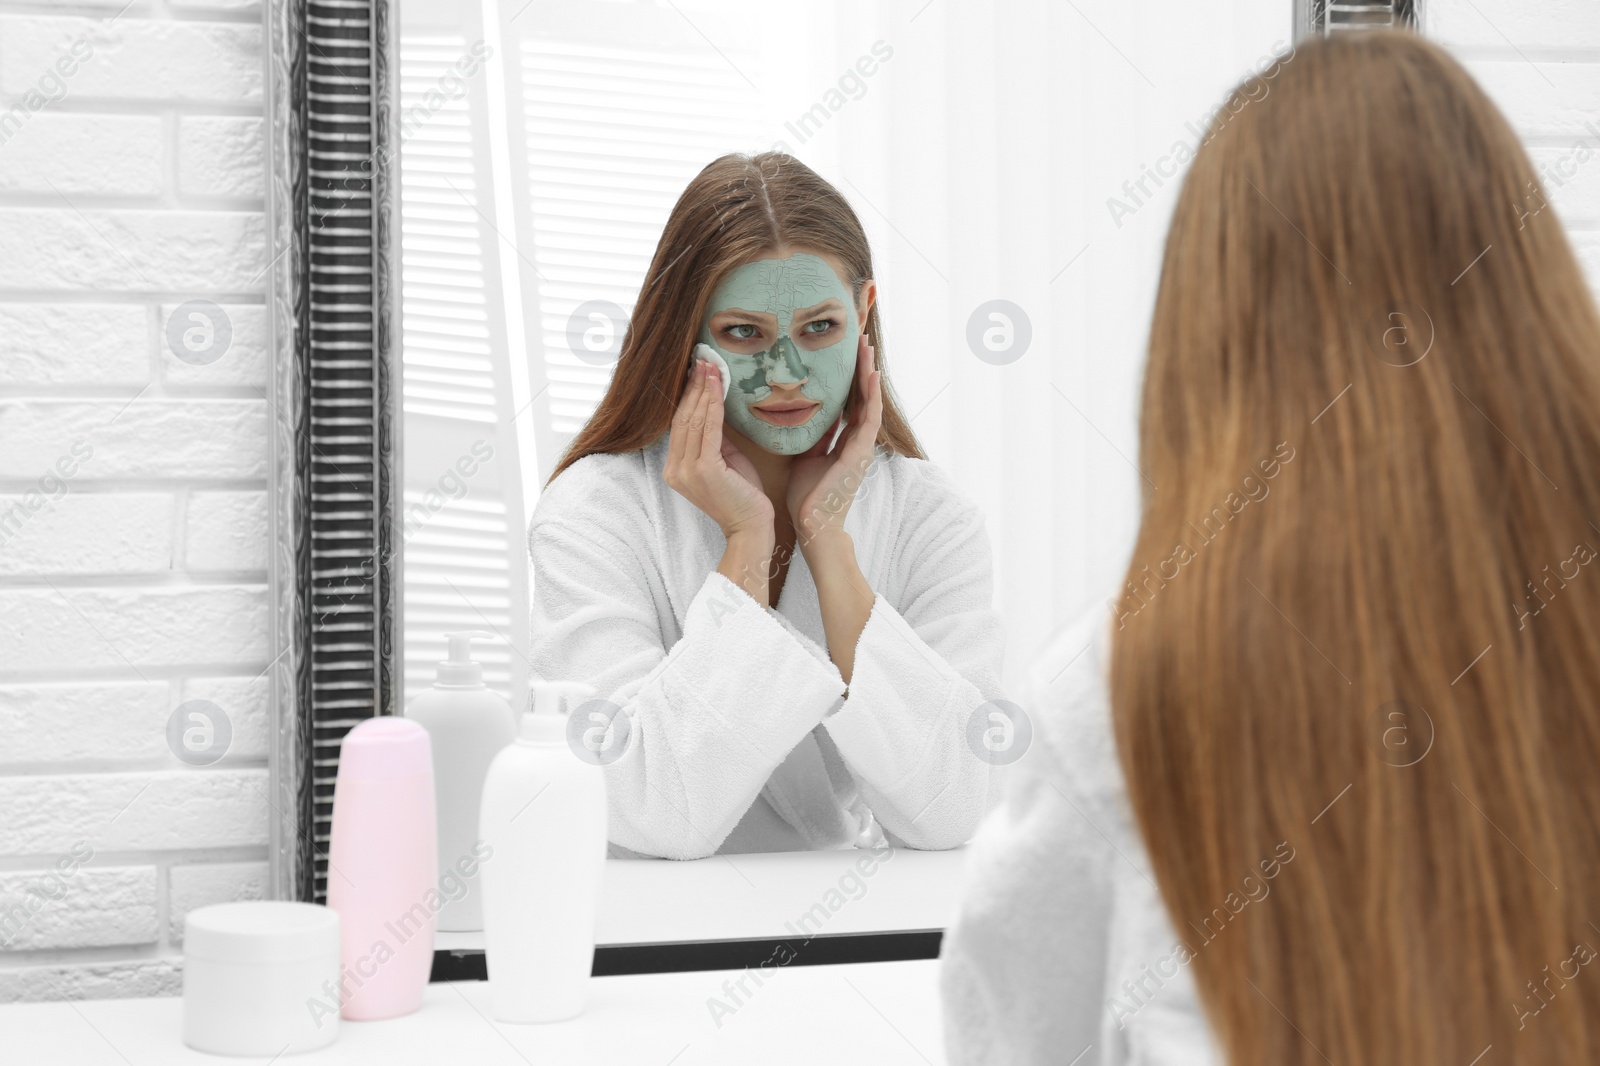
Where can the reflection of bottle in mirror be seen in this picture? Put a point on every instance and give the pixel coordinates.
(382, 867)
(467, 724)
(544, 816)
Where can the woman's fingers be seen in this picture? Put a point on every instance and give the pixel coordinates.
(702, 412)
(684, 445)
(677, 440)
(703, 448)
(713, 412)
(863, 369)
(870, 417)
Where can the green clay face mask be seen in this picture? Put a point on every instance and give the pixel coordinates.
(813, 346)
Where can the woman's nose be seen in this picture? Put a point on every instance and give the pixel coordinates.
(784, 364)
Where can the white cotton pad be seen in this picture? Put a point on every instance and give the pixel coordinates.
(707, 354)
(838, 428)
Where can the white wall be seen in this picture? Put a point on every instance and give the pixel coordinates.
(142, 583)
(1003, 129)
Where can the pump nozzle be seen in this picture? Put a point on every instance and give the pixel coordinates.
(559, 697)
(552, 701)
(458, 668)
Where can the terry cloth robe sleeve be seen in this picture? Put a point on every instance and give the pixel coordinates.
(928, 659)
(1059, 914)
(704, 730)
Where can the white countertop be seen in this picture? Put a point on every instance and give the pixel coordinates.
(875, 1012)
(763, 896)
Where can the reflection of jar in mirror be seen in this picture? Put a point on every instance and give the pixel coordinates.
(382, 867)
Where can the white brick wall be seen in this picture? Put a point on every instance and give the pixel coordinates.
(132, 485)
(1540, 62)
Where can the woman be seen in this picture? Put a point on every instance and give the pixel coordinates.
(1358, 717)
(784, 609)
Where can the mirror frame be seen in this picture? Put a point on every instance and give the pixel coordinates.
(334, 489)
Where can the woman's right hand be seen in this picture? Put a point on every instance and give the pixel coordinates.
(706, 468)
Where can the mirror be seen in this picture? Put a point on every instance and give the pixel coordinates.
(1012, 167)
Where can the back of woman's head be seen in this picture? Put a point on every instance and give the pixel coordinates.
(1360, 627)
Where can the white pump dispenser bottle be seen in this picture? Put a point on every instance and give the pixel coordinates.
(467, 723)
(544, 814)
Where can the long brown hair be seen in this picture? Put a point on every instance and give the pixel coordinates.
(734, 210)
(1359, 651)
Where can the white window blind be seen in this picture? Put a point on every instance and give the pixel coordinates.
(611, 134)
(603, 136)
(462, 548)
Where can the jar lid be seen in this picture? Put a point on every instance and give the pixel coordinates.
(261, 931)
(384, 748)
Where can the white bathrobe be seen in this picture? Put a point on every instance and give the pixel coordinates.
(1063, 952)
(741, 736)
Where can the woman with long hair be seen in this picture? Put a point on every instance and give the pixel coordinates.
(1349, 720)
(785, 611)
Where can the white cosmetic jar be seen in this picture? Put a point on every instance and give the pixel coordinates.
(257, 978)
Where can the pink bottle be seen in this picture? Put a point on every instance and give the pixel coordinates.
(381, 868)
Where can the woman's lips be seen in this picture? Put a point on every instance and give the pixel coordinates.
(788, 413)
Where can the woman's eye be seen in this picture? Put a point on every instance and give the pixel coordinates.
(821, 325)
(743, 331)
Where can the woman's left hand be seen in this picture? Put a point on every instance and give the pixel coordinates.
(823, 485)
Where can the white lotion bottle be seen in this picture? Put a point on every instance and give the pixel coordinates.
(467, 724)
(544, 814)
